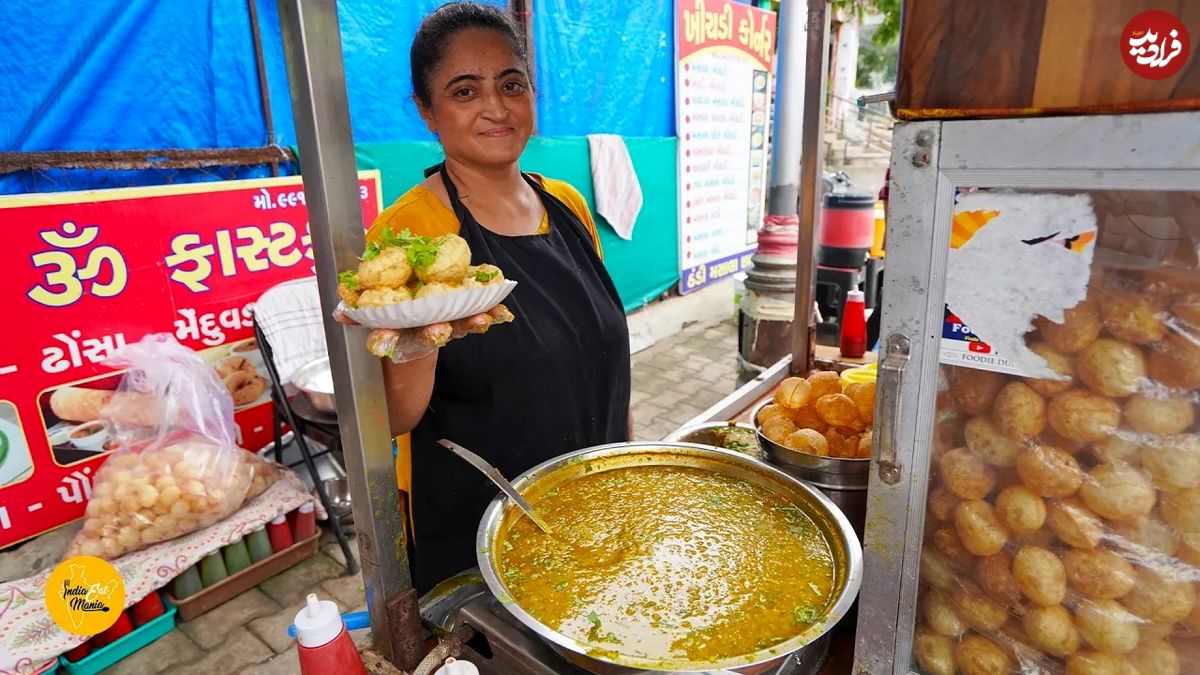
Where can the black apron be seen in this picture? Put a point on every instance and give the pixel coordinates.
(555, 380)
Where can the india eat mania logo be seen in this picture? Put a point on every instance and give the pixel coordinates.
(85, 595)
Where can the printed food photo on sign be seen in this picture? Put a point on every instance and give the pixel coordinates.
(241, 368)
(74, 419)
(15, 463)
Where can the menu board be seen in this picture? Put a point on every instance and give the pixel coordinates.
(89, 272)
(724, 81)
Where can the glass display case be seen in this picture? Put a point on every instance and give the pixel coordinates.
(1034, 502)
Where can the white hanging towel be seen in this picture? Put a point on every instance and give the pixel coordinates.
(615, 183)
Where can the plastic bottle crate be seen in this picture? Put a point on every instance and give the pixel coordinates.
(109, 654)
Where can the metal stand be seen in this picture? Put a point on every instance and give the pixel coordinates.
(313, 50)
(283, 413)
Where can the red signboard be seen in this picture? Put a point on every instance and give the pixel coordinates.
(87, 272)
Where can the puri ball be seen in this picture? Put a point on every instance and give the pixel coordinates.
(979, 611)
(1051, 630)
(1175, 362)
(1111, 367)
(978, 529)
(1158, 598)
(1020, 509)
(807, 418)
(1134, 318)
(1154, 656)
(1099, 574)
(769, 411)
(1060, 364)
(1075, 524)
(1019, 412)
(985, 439)
(965, 474)
(838, 410)
(1107, 626)
(450, 264)
(808, 441)
(389, 269)
(1049, 471)
(1099, 663)
(1118, 492)
(1174, 461)
(973, 391)
(941, 615)
(778, 429)
(935, 653)
(1041, 575)
(994, 574)
(825, 382)
(1081, 325)
(863, 395)
(1081, 415)
(793, 393)
(1161, 413)
(977, 655)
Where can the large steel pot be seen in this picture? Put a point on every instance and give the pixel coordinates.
(845, 545)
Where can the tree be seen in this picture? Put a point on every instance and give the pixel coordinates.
(888, 31)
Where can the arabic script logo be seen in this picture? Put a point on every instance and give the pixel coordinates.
(85, 595)
(1155, 44)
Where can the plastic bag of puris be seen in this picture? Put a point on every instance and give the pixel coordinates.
(177, 468)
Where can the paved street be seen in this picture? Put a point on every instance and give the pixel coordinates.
(673, 381)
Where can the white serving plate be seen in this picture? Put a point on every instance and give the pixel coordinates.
(436, 309)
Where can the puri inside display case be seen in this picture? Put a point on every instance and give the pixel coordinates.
(1034, 499)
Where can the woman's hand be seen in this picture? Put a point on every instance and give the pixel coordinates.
(409, 344)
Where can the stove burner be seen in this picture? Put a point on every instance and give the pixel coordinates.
(504, 646)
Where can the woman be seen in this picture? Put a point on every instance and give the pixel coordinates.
(554, 380)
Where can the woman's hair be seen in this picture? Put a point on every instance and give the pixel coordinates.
(434, 35)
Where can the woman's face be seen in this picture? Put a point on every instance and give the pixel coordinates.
(481, 102)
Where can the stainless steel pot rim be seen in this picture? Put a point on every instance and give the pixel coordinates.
(490, 523)
(302, 377)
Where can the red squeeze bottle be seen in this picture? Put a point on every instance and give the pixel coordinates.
(325, 645)
(305, 524)
(79, 652)
(854, 326)
(123, 627)
(279, 534)
(148, 609)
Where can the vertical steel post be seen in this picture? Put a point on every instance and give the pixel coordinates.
(783, 196)
(812, 163)
(317, 80)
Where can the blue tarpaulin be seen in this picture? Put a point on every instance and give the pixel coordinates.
(148, 74)
(605, 67)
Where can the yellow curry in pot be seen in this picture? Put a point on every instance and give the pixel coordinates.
(668, 563)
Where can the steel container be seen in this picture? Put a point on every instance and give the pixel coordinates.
(844, 543)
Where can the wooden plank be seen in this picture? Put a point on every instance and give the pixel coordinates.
(988, 58)
(975, 55)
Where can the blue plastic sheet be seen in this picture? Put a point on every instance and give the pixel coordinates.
(605, 67)
(148, 74)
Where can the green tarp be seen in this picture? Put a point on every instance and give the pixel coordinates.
(642, 268)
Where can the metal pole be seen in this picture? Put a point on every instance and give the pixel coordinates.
(812, 162)
(783, 196)
(317, 79)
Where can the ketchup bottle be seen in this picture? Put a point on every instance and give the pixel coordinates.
(854, 326)
(148, 609)
(325, 644)
(78, 653)
(280, 534)
(305, 523)
(123, 627)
